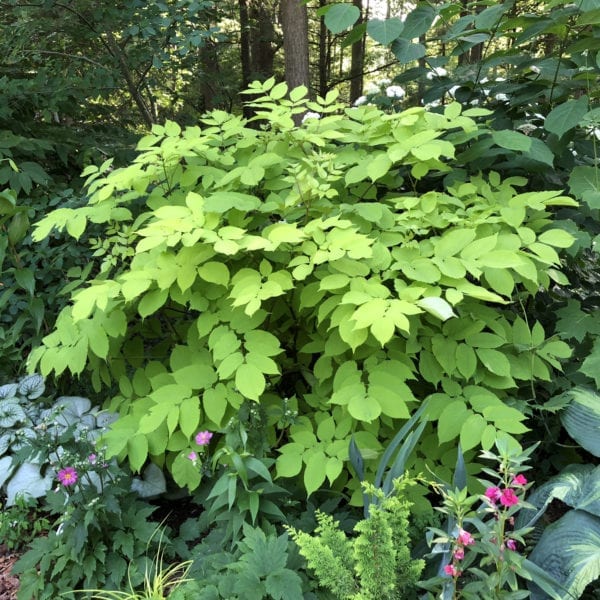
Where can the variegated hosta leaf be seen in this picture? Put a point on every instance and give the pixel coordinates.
(582, 418)
(569, 550)
(578, 486)
(27, 480)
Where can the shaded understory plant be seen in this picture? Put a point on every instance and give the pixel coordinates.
(374, 564)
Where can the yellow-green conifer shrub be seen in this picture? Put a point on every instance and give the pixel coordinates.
(376, 564)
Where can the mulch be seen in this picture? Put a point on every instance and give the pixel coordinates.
(9, 584)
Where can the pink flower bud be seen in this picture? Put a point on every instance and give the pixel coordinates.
(511, 545)
(459, 554)
(519, 480)
(451, 570)
(465, 538)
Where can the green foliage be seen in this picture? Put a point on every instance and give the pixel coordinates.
(21, 523)
(100, 540)
(376, 563)
(262, 565)
(331, 264)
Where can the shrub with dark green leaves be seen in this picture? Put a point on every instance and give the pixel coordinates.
(343, 269)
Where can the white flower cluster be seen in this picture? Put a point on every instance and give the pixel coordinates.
(311, 115)
(437, 72)
(395, 91)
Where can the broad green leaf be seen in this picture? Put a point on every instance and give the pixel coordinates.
(471, 431)
(451, 420)
(512, 140)
(438, 307)
(494, 361)
(559, 238)
(407, 52)
(363, 408)
(249, 381)
(340, 17)
(137, 451)
(418, 21)
(25, 279)
(566, 116)
(151, 302)
(385, 31)
(315, 472)
(214, 272)
(214, 402)
(289, 464)
(185, 472)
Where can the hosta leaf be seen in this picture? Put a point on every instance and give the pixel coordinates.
(582, 418)
(569, 550)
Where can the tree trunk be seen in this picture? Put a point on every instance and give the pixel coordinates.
(358, 59)
(262, 38)
(323, 54)
(244, 42)
(294, 23)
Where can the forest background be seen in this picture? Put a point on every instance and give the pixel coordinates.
(97, 104)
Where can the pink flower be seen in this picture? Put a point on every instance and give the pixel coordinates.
(519, 480)
(203, 438)
(511, 545)
(67, 476)
(493, 494)
(459, 554)
(92, 459)
(465, 538)
(192, 456)
(508, 498)
(451, 570)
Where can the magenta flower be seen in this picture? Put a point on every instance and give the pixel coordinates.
(511, 545)
(493, 494)
(203, 438)
(451, 570)
(67, 476)
(459, 554)
(192, 456)
(519, 480)
(508, 498)
(465, 538)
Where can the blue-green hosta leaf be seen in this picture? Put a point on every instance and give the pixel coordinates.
(11, 413)
(582, 417)
(32, 386)
(27, 480)
(151, 483)
(5, 440)
(577, 486)
(569, 550)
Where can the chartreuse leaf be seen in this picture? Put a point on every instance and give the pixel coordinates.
(250, 381)
(315, 472)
